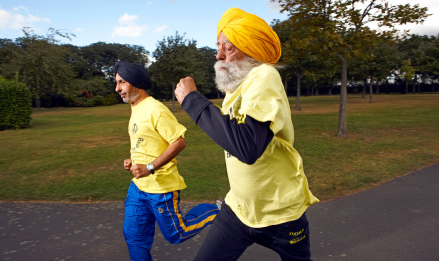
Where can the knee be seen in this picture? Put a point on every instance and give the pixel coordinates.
(129, 233)
(173, 239)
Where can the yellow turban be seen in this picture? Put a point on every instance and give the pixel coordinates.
(250, 34)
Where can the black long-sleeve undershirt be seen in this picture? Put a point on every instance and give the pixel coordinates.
(245, 141)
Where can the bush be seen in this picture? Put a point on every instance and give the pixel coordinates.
(83, 99)
(88, 100)
(108, 100)
(15, 105)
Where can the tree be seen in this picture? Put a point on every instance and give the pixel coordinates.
(413, 49)
(408, 72)
(428, 59)
(100, 58)
(210, 60)
(41, 63)
(299, 57)
(287, 68)
(177, 58)
(383, 59)
(94, 64)
(78, 76)
(410, 46)
(341, 27)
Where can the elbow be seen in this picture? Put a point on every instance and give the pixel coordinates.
(179, 144)
(249, 159)
(182, 144)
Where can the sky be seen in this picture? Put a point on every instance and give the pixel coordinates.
(144, 22)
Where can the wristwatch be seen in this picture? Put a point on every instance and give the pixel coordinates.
(150, 168)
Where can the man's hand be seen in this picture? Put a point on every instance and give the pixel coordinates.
(184, 87)
(139, 170)
(127, 164)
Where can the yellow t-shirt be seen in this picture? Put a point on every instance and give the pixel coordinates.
(274, 189)
(152, 128)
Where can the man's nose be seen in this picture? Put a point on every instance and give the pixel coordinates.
(221, 55)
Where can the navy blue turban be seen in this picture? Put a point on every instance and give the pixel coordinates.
(133, 73)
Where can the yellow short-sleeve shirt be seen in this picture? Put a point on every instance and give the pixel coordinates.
(274, 189)
(152, 128)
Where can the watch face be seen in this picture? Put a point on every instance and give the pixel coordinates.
(150, 167)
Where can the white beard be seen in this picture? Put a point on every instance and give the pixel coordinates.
(228, 80)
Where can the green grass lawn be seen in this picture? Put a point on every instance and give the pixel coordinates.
(76, 154)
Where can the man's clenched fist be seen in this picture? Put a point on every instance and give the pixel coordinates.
(139, 170)
(184, 87)
(127, 164)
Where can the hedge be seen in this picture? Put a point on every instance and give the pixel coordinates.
(15, 105)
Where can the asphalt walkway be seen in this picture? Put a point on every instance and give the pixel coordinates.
(398, 220)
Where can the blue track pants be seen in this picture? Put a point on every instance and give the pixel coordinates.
(143, 209)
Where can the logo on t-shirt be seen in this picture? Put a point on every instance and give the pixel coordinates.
(135, 128)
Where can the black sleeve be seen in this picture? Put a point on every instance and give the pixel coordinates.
(246, 141)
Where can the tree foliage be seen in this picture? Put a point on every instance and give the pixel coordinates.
(210, 59)
(427, 55)
(408, 72)
(41, 63)
(176, 58)
(98, 59)
(76, 76)
(342, 29)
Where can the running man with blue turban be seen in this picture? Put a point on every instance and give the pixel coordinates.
(154, 194)
(269, 191)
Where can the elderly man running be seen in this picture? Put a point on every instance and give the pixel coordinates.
(154, 193)
(268, 189)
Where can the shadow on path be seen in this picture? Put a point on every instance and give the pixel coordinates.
(398, 220)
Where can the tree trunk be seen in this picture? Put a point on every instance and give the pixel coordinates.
(298, 92)
(414, 88)
(286, 84)
(387, 86)
(364, 89)
(173, 96)
(317, 91)
(377, 91)
(371, 89)
(432, 87)
(406, 87)
(330, 91)
(218, 95)
(419, 88)
(342, 127)
(307, 90)
(38, 103)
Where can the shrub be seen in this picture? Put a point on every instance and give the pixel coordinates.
(83, 99)
(90, 101)
(15, 105)
(108, 100)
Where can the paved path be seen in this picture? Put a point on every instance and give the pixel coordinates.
(398, 220)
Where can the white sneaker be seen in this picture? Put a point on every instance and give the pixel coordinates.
(219, 203)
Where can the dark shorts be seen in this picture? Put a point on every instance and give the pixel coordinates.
(228, 238)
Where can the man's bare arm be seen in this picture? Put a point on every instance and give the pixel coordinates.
(140, 170)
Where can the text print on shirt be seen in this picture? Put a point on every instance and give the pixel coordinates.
(135, 128)
(139, 140)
